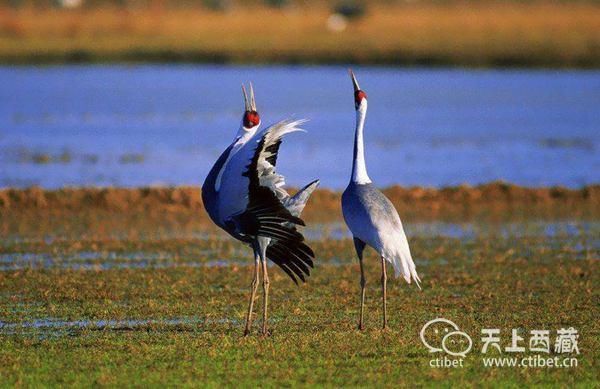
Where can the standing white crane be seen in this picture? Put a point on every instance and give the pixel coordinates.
(244, 196)
(371, 217)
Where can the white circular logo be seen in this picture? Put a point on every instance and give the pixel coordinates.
(446, 337)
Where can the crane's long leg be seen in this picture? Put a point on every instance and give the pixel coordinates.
(363, 283)
(265, 297)
(359, 245)
(384, 289)
(254, 287)
(263, 244)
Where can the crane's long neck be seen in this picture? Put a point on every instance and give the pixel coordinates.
(242, 137)
(359, 166)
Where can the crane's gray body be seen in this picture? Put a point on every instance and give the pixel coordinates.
(370, 216)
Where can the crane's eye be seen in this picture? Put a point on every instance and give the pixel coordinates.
(251, 119)
(358, 97)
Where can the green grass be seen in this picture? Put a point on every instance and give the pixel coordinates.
(486, 281)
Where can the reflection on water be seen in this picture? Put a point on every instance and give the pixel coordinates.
(142, 125)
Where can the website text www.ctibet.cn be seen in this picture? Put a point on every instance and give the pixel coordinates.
(537, 361)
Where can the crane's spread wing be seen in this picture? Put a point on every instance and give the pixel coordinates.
(257, 155)
(265, 214)
(295, 260)
(267, 158)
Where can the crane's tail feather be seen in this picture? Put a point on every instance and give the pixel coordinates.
(403, 263)
(296, 203)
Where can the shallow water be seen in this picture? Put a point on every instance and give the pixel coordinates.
(52, 327)
(470, 230)
(144, 125)
(98, 324)
(581, 237)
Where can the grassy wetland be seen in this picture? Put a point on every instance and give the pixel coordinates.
(115, 286)
(487, 34)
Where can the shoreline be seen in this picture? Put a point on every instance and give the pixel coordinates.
(496, 200)
(201, 57)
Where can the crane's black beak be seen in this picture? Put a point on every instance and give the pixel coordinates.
(354, 82)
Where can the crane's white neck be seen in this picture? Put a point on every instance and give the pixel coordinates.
(245, 133)
(359, 166)
(242, 137)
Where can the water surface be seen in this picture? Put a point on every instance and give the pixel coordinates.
(165, 125)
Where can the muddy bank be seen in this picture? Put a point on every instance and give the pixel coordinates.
(496, 200)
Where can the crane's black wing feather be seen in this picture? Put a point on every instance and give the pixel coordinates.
(266, 216)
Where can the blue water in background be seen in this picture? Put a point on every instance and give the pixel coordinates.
(166, 124)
